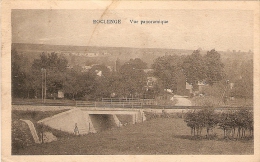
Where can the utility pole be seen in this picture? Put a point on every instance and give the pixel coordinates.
(45, 86)
(42, 84)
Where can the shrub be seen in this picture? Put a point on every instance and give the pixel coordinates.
(21, 136)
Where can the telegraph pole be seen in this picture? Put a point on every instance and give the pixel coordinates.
(45, 86)
(42, 84)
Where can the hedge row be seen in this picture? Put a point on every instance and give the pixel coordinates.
(228, 121)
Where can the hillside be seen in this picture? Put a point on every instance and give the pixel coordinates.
(77, 55)
(72, 53)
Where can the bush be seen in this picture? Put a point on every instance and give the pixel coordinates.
(164, 114)
(21, 136)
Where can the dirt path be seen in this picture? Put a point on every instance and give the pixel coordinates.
(182, 101)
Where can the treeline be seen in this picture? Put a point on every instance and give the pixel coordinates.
(234, 124)
(76, 83)
(127, 79)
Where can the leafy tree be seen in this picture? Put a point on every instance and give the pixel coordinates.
(166, 68)
(89, 86)
(232, 69)
(24, 81)
(214, 67)
(190, 119)
(243, 87)
(73, 84)
(194, 68)
(17, 75)
(102, 76)
(104, 71)
(55, 70)
(241, 120)
(132, 77)
(210, 120)
(207, 68)
(228, 121)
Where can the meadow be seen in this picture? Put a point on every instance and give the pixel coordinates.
(156, 136)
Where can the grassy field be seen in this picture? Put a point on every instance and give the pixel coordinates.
(157, 136)
(21, 135)
(39, 100)
(33, 115)
(213, 101)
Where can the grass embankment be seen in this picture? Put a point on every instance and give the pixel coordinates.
(156, 136)
(34, 116)
(214, 101)
(39, 100)
(21, 135)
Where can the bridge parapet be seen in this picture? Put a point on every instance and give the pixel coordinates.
(132, 104)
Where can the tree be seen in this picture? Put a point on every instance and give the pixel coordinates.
(17, 75)
(214, 67)
(132, 77)
(190, 119)
(207, 68)
(72, 84)
(101, 75)
(166, 69)
(228, 121)
(243, 87)
(194, 68)
(55, 69)
(89, 86)
(99, 70)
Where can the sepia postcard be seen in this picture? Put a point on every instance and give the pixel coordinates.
(130, 81)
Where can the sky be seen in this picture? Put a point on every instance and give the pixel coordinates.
(186, 29)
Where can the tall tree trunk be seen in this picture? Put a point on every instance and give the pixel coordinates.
(36, 93)
(200, 131)
(238, 132)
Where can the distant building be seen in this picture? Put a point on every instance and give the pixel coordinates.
(69, 67)
(150, 82)
(148, 70)
(201, 85)
(99, 72)
(189, 87)
(86, 68)
(60, 94)
(110, 68)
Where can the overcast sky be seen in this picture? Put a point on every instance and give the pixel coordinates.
(187, 29)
